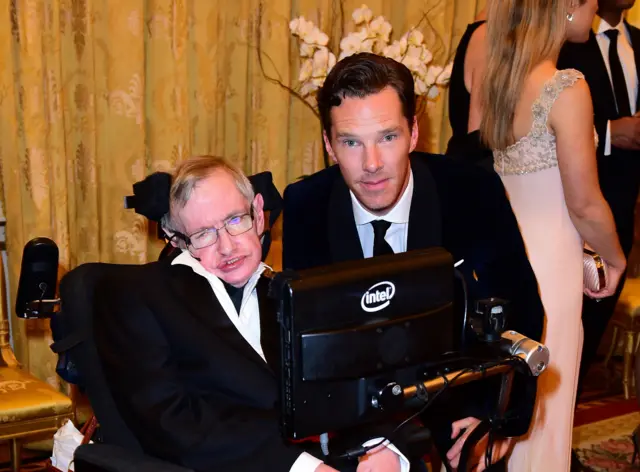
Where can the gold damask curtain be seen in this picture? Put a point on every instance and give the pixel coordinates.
(96, 94)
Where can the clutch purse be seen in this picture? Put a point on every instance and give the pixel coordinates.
(595, 271)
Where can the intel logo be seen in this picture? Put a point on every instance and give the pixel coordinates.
(378, 297)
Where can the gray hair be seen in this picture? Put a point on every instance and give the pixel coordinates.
(189, 173)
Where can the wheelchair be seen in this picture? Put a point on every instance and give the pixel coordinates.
(115, 448)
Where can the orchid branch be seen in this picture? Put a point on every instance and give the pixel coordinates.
(276, 81)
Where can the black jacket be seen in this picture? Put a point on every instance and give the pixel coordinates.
(456, 205)
(183, 378)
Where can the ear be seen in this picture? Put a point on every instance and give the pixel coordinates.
(169, 234)
(327, 146)
(258, 213)
(415, 133)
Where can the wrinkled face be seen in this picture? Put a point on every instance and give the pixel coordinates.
(371, 141)
(214, 202)
(578, 29)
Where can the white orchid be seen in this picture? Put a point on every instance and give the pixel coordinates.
(432, 74)
(316, 36)
(426, 55)
(362, 15)
(308, 32)
(323, 62)
(381, 28)
(415, 66)
(311, 86)
(306, 70)
(445, 76)
(294, 25)
(374, 36)
(307, 50)
(420, 87)
(353, 43)
(301, 27)
(433, 93)
(415, 37)
(396, 50)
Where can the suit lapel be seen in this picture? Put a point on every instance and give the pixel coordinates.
(425, 219)
(194, 292)
(601, 81)
(634, 34)
(344, 242)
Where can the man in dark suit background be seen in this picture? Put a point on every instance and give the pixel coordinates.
(609, 61)
(189, 345)
(382, 197)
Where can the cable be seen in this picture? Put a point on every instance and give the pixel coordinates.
(488, 455)
(458, 275)
(362, 450)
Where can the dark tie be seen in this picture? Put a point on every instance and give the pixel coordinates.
(617, 75)
(235, 294)
(380, 246)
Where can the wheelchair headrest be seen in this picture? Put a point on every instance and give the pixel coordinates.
(151, 196)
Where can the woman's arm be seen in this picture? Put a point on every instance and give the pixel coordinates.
(571, 119)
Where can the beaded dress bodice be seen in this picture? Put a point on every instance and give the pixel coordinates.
(537, 150)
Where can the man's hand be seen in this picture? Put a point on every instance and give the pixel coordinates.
(500, 446)
(379, 459)
(625, 132)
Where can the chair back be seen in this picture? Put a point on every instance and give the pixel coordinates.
(7, 358)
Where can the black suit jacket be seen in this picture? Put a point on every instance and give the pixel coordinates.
(187, 384)
(619, 173)
(456, 205)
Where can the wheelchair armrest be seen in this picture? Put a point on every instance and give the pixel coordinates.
(111, 458)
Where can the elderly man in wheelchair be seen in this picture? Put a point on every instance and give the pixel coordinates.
(178, 357)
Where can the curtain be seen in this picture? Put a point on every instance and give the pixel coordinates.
(97, 94)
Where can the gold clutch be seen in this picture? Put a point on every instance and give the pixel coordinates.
(595, 271)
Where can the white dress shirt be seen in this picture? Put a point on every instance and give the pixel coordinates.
(398, 217)
(247, 322)
(628, 61)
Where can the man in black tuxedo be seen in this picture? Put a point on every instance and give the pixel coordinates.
(189, 344)
(609, 61)
(382, 197)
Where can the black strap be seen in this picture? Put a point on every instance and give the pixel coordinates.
(617, 74)
(476, 435)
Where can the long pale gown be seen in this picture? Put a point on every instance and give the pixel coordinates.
(529, 171)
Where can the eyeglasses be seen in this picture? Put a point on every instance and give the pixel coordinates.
(234, 226)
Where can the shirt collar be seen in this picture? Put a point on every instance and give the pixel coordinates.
(187, 259)
(600, 26)
(398, 214)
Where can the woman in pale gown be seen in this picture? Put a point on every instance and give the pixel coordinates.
(539, 123)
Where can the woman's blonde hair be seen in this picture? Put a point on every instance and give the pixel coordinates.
(520, 35)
